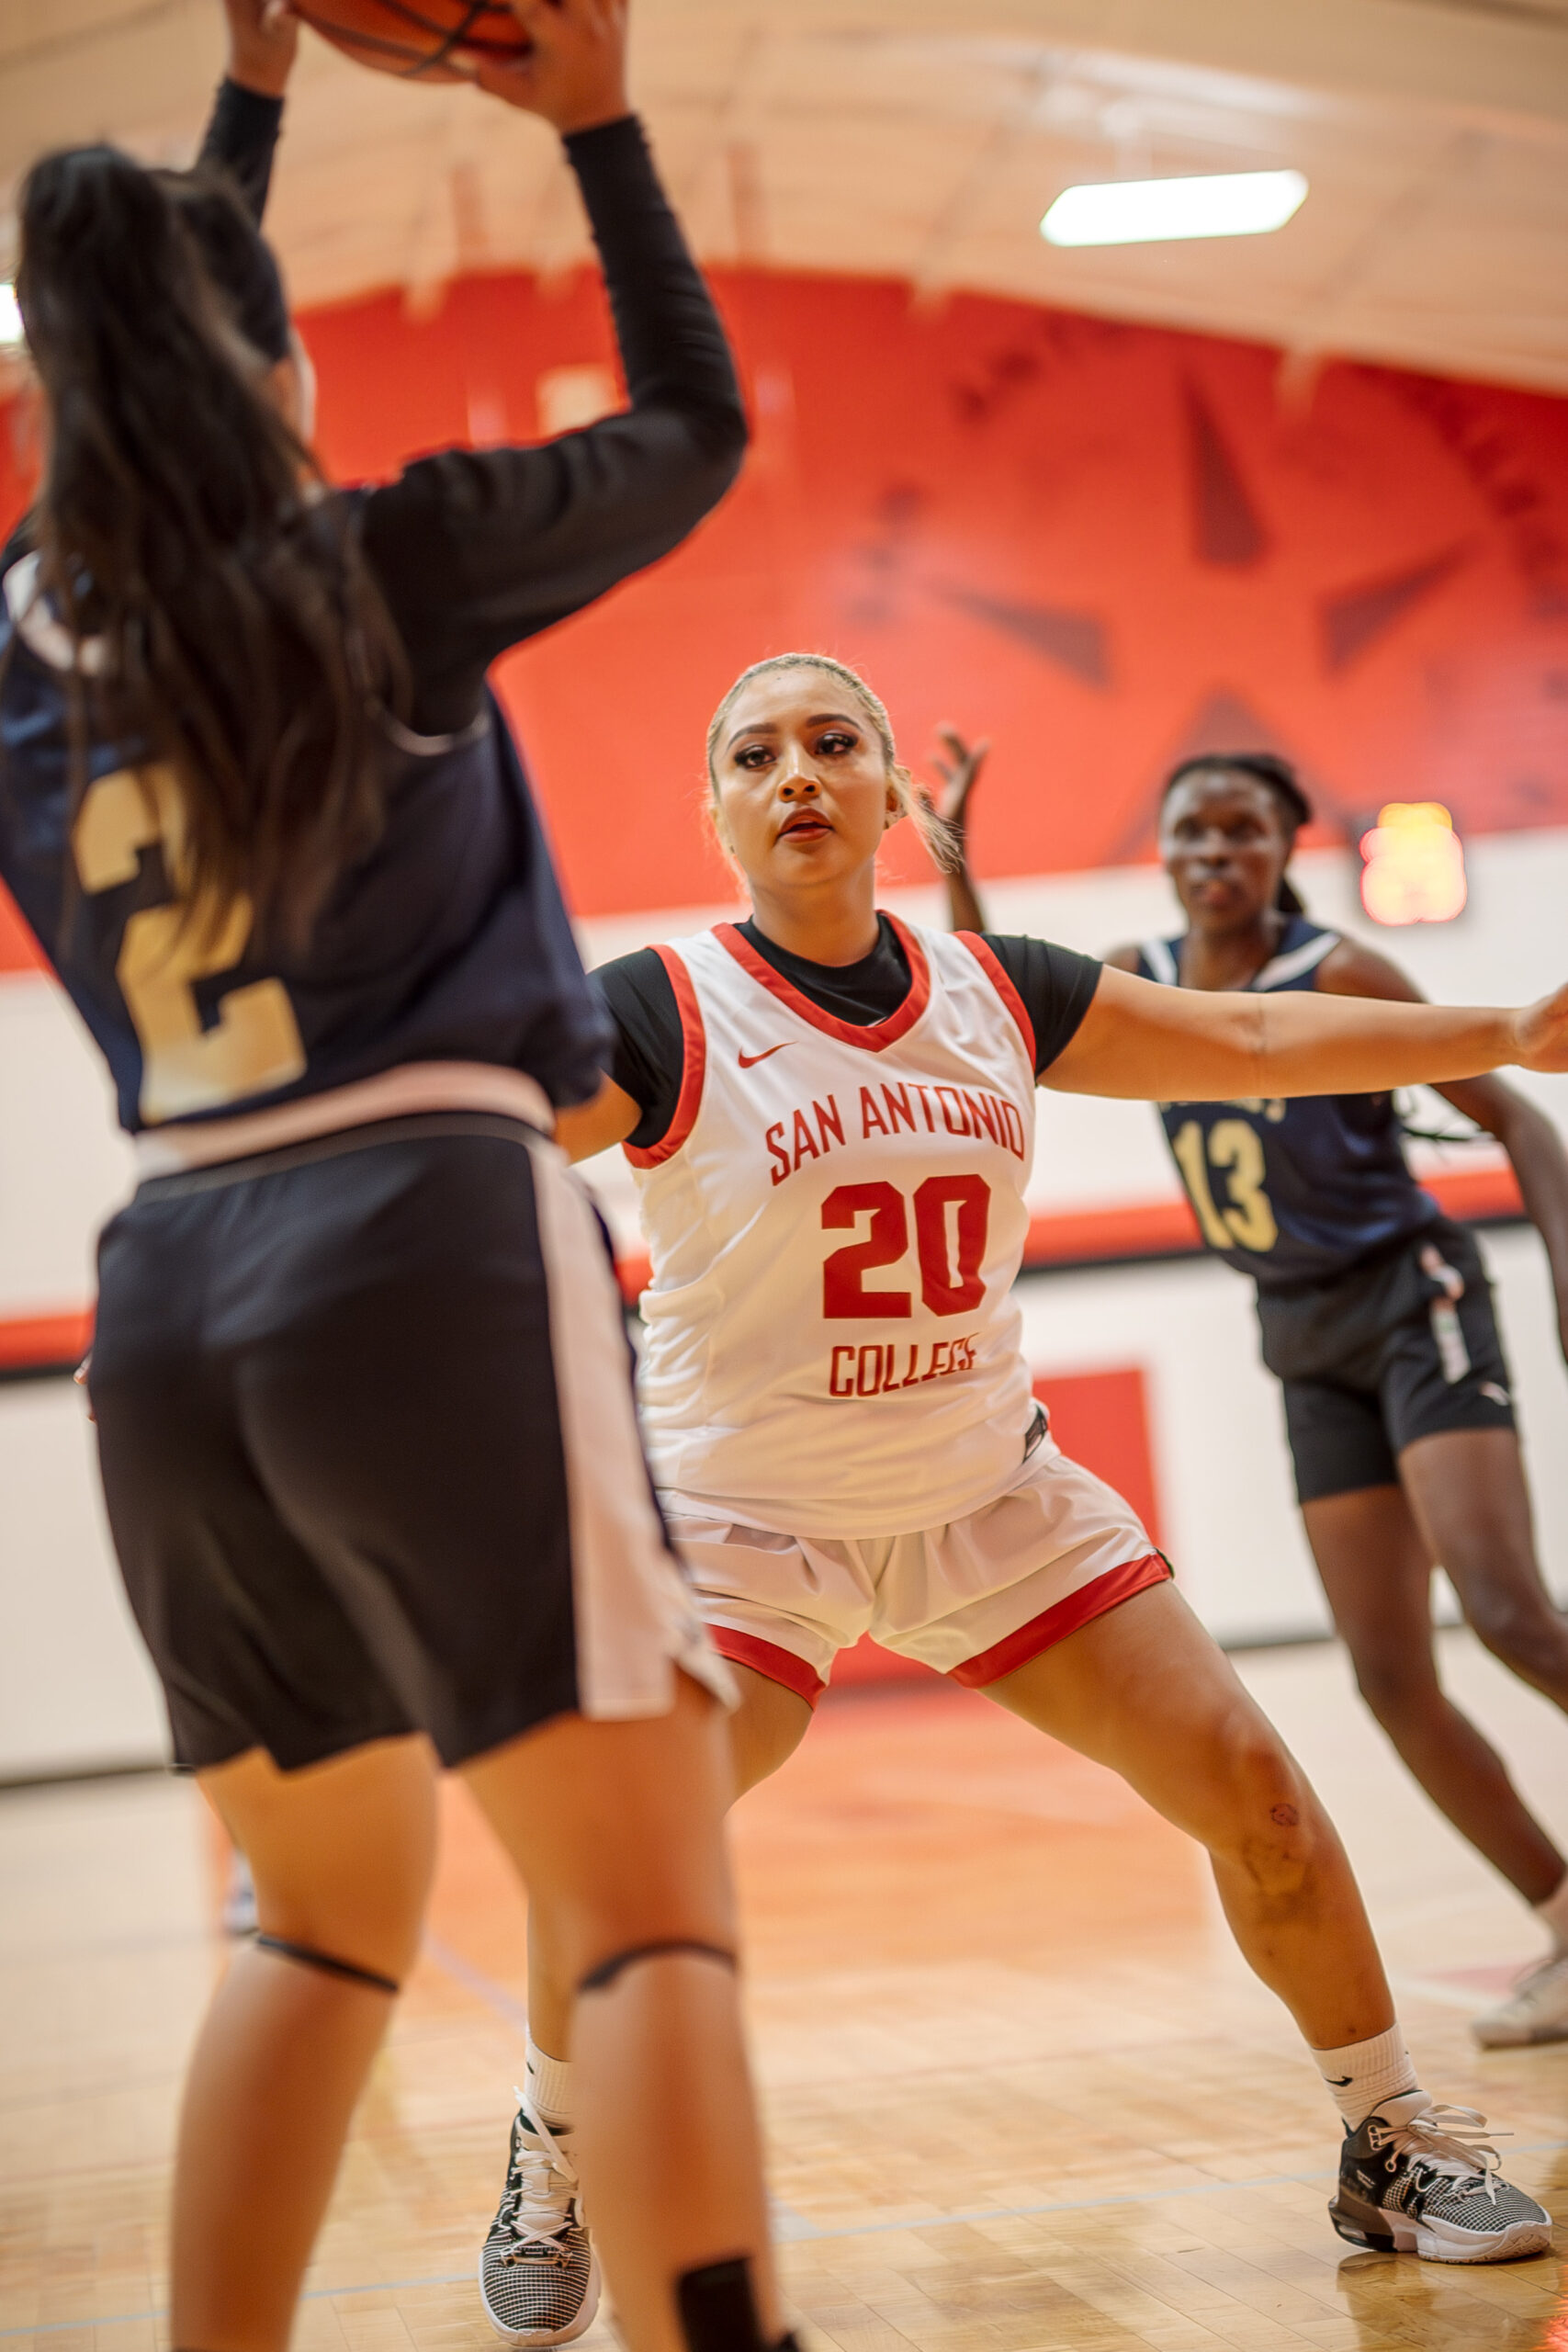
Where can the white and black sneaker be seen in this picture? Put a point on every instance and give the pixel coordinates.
(1420, 2178)
(1536, 2010)
(538, 2273)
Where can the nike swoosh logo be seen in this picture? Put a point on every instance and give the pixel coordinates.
(1339, 2081)
(750, 1061)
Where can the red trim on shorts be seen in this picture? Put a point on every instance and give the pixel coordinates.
(694, 1066)
(995, 970)
(1042, 1633)
(767, 1659)
(875, 1039)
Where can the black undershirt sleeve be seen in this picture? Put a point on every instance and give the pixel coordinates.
(477, 550)
(1056, 985)
(241, 138)
(649, 1057)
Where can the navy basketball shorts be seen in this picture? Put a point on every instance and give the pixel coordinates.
(1403, 1347)
(369, 1451)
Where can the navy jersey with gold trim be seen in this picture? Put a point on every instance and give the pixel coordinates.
(1294, 1192)
(448, 943)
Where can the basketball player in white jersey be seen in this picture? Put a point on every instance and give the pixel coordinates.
(830, 1115)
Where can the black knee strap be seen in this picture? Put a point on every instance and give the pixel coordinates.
(309, 1957)
(599, 1979)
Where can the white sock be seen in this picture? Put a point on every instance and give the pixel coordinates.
(1363, 2074)
(1553, 1917)
(549, 2082)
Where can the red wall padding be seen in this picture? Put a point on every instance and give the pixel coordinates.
(1105, 545)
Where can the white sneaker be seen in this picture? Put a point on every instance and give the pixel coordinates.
(1423, 2179)
(1536, 2010)
(538, 2273)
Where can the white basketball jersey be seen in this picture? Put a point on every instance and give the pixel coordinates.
(835, 1221)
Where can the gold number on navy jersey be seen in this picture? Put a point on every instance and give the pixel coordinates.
(1242, 1218)
(254, 1045)
(953, 1215)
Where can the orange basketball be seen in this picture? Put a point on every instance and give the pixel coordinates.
(417, 38)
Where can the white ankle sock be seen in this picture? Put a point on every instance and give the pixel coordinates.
(1363, 2074)
(1553, 1917)
(549, 2086)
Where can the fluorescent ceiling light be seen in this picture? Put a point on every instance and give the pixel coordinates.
(1137, 212)
(11, 336)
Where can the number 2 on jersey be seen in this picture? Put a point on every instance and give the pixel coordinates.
(951, 1279)
(1245, 1220)
(254, 1043)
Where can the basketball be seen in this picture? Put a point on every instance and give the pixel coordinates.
(416, 39)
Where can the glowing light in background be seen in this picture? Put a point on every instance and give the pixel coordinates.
(1140, 212)
(11, 336)
(1415, 865)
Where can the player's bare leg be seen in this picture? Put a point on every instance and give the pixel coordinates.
(342, 1854)
(1376, 1570)
(1145, 1690)
(619, 1827)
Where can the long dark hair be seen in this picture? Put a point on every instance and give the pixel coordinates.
(182, 524)
(1283, 785)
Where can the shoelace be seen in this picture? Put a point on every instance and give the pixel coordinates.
(1537, 1978)
(538, 2210)
(1446, 2142)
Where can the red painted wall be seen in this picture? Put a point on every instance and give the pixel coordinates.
(1105, 545)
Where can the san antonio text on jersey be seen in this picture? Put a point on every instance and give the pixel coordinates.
(1291, 1192)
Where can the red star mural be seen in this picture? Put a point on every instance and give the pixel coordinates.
(1105, 546)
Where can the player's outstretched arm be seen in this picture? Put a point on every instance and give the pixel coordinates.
(241, 132)
(574, 74)
(1526, 1134)
(958, 764)
(1163, 1045)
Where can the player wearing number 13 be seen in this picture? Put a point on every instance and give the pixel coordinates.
(828, 1114)
(1376, 1317)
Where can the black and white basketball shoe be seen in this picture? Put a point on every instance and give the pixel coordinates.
(538, 2273)
(1420, 2178)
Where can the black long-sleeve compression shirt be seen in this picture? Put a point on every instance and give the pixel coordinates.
(477, 550)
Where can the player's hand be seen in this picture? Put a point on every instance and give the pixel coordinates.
(957, 766)
(1541, 1033)
(263, 38)
(574, 76)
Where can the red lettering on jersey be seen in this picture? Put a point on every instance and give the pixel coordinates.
(925, 1106)
(870, 1369)
(982, 1114)
(898, 1101)
(804, 1145)
(778, 1152)
(870, 1116)
(942, 1095)
(828, 1122)
(1014, 1126)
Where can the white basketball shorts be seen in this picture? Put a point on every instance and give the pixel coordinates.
(975, 1600)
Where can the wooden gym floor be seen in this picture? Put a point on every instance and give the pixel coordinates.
(1020, 2094)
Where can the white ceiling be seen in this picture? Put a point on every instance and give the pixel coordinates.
(924, 141)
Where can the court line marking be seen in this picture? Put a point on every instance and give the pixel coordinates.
(813, 2236)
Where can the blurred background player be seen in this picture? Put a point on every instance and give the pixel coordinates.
(361, 1387)
(1376, 1317)
(829, 1114)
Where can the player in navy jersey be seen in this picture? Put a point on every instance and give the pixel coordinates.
(829, 1114)
(1377, 1318)
(360, 1380)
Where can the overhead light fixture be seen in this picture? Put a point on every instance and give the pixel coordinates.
(1141, 212)
(12, 336)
